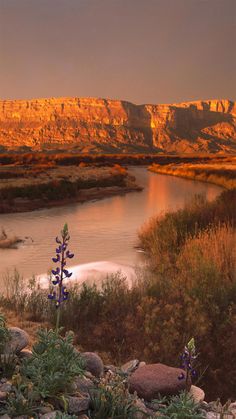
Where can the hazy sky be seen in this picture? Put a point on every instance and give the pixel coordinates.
(144, 51)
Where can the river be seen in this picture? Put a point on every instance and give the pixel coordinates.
(103, 232)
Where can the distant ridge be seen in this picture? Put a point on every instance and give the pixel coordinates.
(103, 125)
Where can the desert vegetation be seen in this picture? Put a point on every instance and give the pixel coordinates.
(221, 173)
(38, 185)
(74, 158)
(188, 288)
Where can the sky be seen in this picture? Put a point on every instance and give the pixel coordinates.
(143, 51)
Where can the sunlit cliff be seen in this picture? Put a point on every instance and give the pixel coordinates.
(90, 124)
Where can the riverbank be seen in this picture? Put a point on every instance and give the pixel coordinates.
(222, 173)
(29, 187)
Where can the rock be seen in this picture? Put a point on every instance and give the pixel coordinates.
(141, 364)
(5, 386)
(83, 384)
(121, 124)
(5, 417)
(143, 411)
(197, 394)
(151, 380)
(110, 368)
(232, 407)
(49, 415)
(19, 339)
(213, 415)
(25, 353)
(3, 396)
(46, 409)
(130, 366)
(93, 363)
(77, 405)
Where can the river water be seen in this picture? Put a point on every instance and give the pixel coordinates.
(103, 232)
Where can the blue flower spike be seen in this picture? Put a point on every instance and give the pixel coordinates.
(61, 293)
(188, 359)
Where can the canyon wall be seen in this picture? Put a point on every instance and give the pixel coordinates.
(90, 125)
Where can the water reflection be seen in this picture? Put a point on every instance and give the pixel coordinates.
(104, 230)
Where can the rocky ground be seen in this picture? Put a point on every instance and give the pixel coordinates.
(144, 383)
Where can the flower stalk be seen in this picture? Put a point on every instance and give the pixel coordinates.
(60, 292)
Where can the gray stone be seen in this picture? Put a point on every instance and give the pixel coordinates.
(83, 384)
(5, 417)
(3, 396)
(49, 415)
(197, 394)
(25, 353)
(77, 405)
(130, 366)
(93, 363)
(141, 364)
(5, 386)
(143, 411)
(151, 380)
(19, 339)
(110, 368)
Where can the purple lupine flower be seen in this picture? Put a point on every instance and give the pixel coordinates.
(56, 259)
(56, 271)
(188, 359)
(181, 376)
(60, 273)
(69, 255)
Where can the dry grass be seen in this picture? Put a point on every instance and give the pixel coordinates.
(218, 173)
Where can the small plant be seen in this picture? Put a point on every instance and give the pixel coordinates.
(20, 402)
(223, 410)
(188, 361)
(61, 273)
(181, 407)
(112, 400)
(53, 365)
(4, 333)
(8, 363)
(60, 415)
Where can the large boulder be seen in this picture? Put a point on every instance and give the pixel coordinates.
(151, 380)
(19, 339)
(93, 363)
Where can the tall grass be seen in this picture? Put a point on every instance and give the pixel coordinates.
(218, 174)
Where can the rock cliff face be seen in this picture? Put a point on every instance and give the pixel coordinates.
(88, 124)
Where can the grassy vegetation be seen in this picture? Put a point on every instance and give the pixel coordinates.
(187, 289)
(73, 158)
(220, 173)
(35, 186)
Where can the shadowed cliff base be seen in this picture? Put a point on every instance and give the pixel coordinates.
(103, 125)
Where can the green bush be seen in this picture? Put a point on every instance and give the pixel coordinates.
(53, 365)
(180, 407)
(111, 400)
(4, 334)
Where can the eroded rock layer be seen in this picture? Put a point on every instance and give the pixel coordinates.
(89, 124)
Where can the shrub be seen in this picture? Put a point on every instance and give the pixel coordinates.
(180, 407)
(53, 365)
(112, 400)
